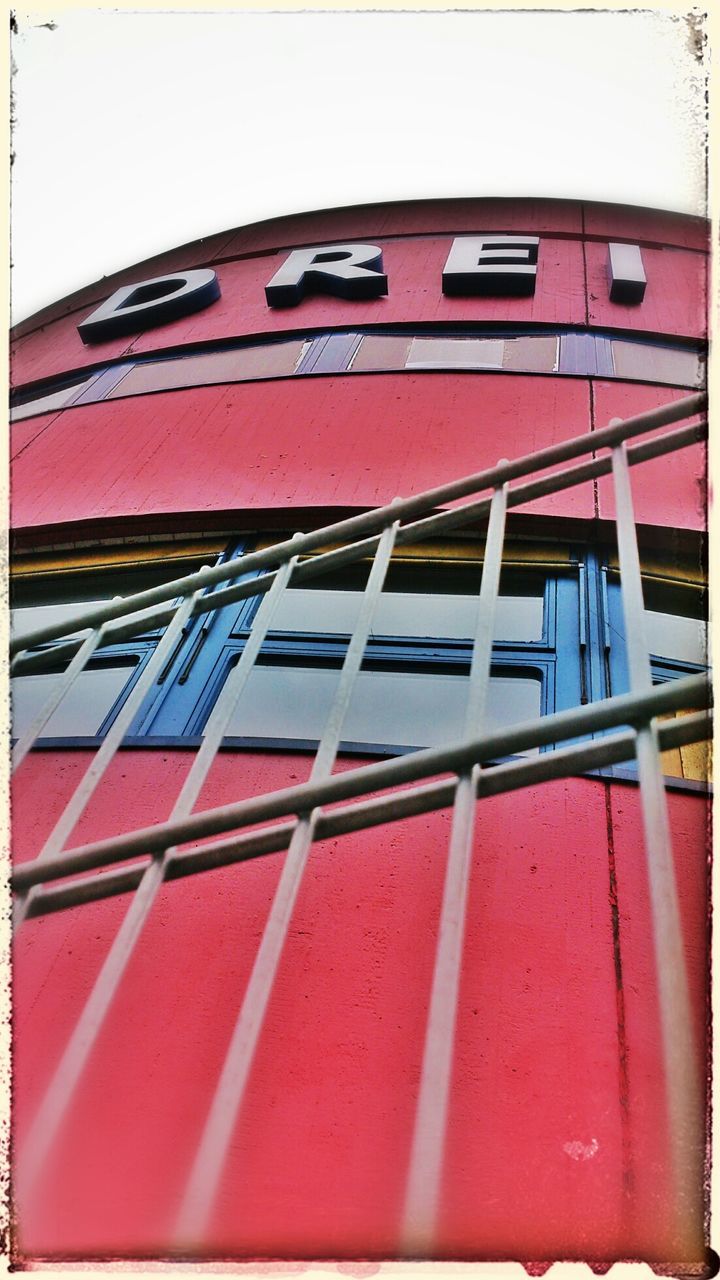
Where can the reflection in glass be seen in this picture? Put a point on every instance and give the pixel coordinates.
(23, 621)
(675, 622)
(82, 710)
(671, 635)
(399, 708)
(408, 613)
(39, 601)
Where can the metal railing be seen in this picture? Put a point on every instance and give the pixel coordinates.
(58, 877)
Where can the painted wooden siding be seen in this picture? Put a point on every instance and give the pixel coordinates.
(675, 301)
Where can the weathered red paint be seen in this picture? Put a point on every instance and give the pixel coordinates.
(675, 301)
(673, 495)
(537, 1115)
(310, 442)
(425, 217)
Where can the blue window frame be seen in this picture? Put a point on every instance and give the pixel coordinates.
(676, 629)
(97, 695)
(410, 691)
(559, 643)
(676, 635)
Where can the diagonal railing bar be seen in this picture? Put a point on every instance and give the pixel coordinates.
(212, 1152)
(689, 693)
(428, 1142)
(68, 1073)
(113, 632)
(363, 814)
(36, 726)
(375, 520)
(682, 1068)
(106, 753)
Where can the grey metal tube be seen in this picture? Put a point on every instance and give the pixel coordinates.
(428, 1143)
(206, 1173)
(682, 1070)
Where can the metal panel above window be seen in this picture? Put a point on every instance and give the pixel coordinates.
(266, 360)
(579, 354)
(674, 366)
(456, 353)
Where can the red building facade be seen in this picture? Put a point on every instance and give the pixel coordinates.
(204, 439)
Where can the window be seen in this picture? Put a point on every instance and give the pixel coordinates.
(677, 639)
(57, 396)
(266, 360)
(675, 366)
(412, 688)
(89, 706)
(559, 642)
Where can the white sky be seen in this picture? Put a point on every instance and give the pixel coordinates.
(138, 131)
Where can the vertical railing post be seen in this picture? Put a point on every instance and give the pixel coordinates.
(87, 1029)
(227, 1099)
(682, 1076)
(422, 1200)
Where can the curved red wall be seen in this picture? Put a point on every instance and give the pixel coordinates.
(556, 1142)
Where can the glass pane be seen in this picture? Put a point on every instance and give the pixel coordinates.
(39, 601)
(675, 622)
(402, 708)
(81, 711)
(672, 635)
(531, 355)
(465, 353)
(658, 364)
(47, 403)
(23, 621)
(270, 360)
(438, 615)
(377, 351)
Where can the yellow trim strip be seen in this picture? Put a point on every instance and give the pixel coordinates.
(536, 554)
(681, 573)
(132, 556)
